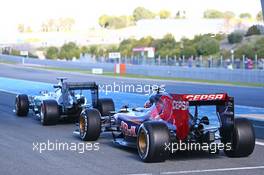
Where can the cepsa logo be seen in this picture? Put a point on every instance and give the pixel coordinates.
(205, 97)
(180, 105)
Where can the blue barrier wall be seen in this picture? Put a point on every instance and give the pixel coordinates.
(220, 74)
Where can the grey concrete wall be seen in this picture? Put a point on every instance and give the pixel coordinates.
(220, 74)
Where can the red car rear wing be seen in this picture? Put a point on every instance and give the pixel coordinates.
(205, 99)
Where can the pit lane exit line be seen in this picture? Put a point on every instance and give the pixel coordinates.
(214, 170)
(256, 126)
(259, 143)
(10, 92)
(206, 170)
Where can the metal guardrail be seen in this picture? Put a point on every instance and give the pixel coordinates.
(244, 63)
(253, 75)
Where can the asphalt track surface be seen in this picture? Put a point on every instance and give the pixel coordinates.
(17, 135)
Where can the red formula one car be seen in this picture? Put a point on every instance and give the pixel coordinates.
(166, 122)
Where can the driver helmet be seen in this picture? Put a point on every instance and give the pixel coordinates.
(148, 104)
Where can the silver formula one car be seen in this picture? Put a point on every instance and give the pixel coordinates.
(66, 102)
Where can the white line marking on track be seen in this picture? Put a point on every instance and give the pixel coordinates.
(10, 92)
(259, 143)
(205, 170)
(141, 174)
(214, 170)
(249, 107)
(256, 126)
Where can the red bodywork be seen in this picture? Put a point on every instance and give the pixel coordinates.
(174, 108)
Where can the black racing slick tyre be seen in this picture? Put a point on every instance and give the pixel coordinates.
(152, 138)
(106, 106)
(49, 112)
(242, 139)
(90, 125)
(22, 105)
